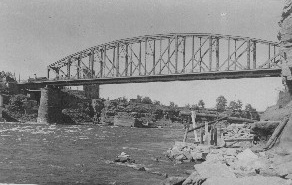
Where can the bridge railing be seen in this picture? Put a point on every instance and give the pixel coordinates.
(178, 53)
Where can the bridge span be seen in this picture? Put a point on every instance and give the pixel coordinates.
(166, 57)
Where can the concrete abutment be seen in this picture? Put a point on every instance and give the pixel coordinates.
(50, 109)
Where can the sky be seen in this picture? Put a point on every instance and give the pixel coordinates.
(36, 33)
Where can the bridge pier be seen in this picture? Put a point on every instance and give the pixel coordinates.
(50, 109)
(91, 91)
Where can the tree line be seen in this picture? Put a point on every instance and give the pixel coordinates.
(221, 104)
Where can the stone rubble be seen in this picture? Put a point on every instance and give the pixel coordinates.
(232, 165)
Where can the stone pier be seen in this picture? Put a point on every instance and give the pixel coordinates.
(50, 109)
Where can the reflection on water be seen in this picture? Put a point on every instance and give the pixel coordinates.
(77, 154)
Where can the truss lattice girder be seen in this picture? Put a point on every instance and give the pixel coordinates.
(175, 53)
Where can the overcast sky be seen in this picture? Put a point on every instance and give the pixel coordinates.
(34, 34)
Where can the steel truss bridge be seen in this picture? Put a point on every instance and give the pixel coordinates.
(168, 57)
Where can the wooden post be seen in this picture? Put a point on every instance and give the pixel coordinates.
(193, 116)
(212, 136)
(215, 137)
(206, 134)
(186, 134)
(201, 135)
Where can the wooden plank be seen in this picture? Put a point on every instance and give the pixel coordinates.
(238, 139)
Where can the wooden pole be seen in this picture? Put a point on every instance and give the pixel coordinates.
(215, 137)
(186, 134)
(201, 135)
(276, 134)
(193, 116)
(207, 142)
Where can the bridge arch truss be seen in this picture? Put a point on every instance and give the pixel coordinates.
(167, 54)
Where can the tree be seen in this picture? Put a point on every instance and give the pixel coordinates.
(147, 100)
(195, 107)
(123, 99)
(248, 107)
(239, 105)
(155, 102)
(172, 105)
(188, 106)
(221, 103)
(232, 105)
(201, 104)
(139, 98)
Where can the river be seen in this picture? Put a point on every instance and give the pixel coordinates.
(79, 154)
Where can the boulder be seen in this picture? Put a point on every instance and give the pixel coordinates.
(194, 179)
(253, 180)
(214, 170)
(247, 155)
(173, 181)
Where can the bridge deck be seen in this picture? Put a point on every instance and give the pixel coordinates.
(259, 73)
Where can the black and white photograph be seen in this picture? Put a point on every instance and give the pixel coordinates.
(146, 92)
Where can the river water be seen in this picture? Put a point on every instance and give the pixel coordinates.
(79, 154)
